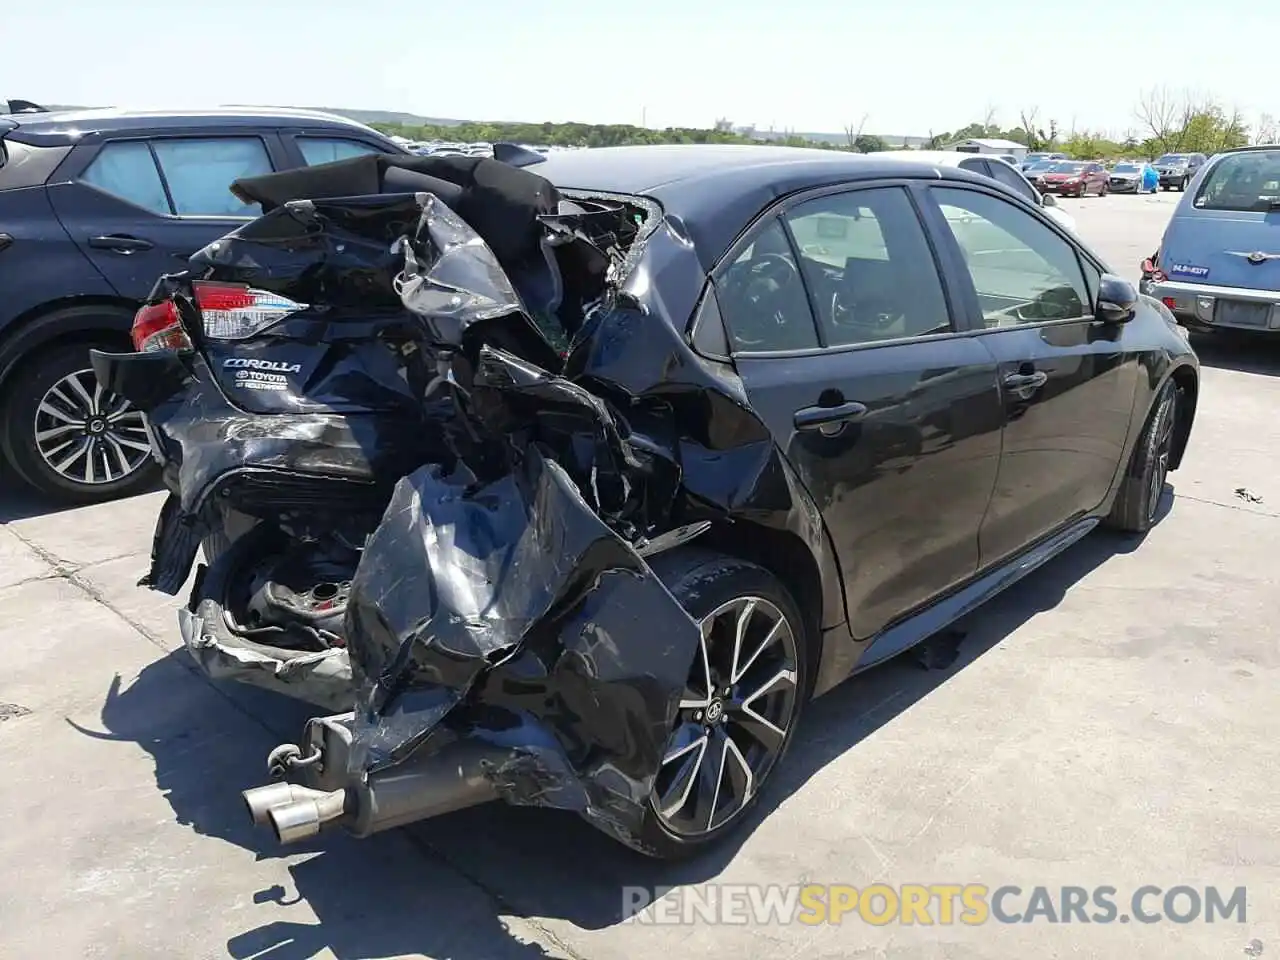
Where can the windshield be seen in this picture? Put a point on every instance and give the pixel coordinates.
(1243, 181)
(1125, 168)
(1040, 166)
(1173, 159)
(1067, 168)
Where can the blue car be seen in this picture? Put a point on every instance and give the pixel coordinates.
(1218, 266)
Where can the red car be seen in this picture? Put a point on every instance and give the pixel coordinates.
(1075, 178)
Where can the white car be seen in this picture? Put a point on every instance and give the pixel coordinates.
(997, 169)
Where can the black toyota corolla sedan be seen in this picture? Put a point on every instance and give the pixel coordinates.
(703, 431)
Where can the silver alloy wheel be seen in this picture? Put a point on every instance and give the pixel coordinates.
(88, 434)
(1165, 420)
(733, 720)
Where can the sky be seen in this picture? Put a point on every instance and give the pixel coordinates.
(908, 67)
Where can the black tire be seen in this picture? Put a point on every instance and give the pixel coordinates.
(705, 582)
(1106, 188)
(102, 471)
(1182, 184)
(1142, 486)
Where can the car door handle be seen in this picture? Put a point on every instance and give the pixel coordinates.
(120, 244)
(814, 418)
(1026, 381)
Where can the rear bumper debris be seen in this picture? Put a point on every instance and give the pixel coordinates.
(322, 678)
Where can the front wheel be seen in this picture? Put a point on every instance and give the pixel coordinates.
(1182, 185)
(1142, 486)
(1106, 188)
(747, 685)
(68, 437)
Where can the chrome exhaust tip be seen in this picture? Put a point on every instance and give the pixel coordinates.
(260, 800)
(302, 817)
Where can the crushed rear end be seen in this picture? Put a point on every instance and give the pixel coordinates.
(504, 633)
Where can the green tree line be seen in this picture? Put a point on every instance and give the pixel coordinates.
(1164, 123)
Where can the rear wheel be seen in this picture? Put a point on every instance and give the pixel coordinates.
(1142, 487)
(68, 437)
(747, 686)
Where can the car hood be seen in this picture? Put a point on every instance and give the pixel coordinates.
(1062, 176)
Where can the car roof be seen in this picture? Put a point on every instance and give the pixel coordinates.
(718, 189)
(76, 126)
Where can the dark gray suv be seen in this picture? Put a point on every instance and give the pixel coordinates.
(1177, 169)
(94, 206)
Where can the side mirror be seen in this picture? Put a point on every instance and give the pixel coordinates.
(1117, 300)
(1048, 200)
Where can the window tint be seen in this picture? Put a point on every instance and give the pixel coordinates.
(762, 298)
(330, 149)
(865, 258)
(1023, 272)
(975, 165)
(128, 171)
(1242, 181)
(1014, 180)
(200, 171)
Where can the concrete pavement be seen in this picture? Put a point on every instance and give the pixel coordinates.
(1111, 720)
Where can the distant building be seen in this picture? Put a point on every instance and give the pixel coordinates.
(1005, 148)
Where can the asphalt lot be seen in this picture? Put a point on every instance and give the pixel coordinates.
(1110, 721)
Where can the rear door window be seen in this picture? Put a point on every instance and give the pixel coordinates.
(763, 299)
(867, 262)
(127, 169)
(199, 173)
(317, 150)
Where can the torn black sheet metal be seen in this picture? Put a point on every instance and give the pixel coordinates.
(512, 605)
(513, 602)
(502, 595)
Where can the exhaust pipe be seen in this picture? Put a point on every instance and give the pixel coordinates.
(450, 780)
(302, 818)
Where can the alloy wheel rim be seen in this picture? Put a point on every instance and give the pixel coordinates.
(734, 717)
(1164, 447)
(87, 434)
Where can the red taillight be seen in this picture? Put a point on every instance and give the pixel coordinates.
(157, 326)
(234, 311)
(222, 296)
(1169, 302)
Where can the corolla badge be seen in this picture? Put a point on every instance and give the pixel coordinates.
(253, 363)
